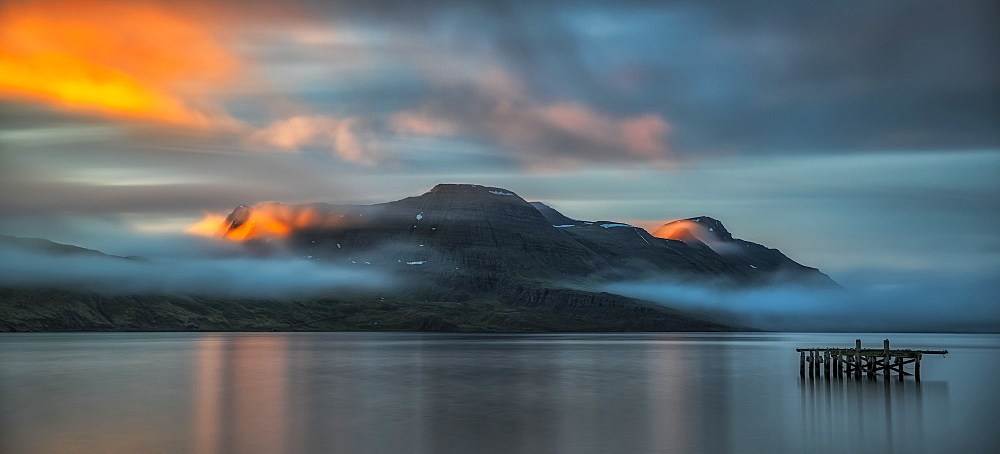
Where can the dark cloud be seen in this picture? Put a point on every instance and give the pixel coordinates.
(777, 76)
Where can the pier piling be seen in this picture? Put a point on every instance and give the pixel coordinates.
(857, 359)
(885, 358)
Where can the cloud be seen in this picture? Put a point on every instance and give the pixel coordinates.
(495, 106)
(236, 277)
(874, 301)
(644, 135)
(640, 136)
(266, 221)
(297, 132)
(420, 123)
(732, 77)
(695, 232)
(135, 60)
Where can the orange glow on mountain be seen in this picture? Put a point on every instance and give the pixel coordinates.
(211, 225)
(687, 231)
(696, 233)
(260, 224)
(264, 221)
(131, 59)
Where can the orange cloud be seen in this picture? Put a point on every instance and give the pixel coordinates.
(694, 232)
(266, 220)
(421, 123)
(684, 230)
(295, 132)
(547, 135)
(640, 136)
(644, 135)
(134, 59)
(211, 226)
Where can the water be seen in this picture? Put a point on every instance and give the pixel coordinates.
(438, 393)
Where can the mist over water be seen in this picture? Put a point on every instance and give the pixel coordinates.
(871, 301)
(227, 276)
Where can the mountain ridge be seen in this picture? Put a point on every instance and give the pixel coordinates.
(494, 229)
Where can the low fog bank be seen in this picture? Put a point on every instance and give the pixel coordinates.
(225, 276)
(884, 301)
(119, 235)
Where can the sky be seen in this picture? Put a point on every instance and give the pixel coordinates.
(859, 137)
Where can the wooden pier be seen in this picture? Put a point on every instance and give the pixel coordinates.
(857, 361)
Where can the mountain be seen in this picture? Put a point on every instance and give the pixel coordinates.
(476, 235)
(474, 258)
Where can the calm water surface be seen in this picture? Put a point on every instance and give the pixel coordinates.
(439, 393)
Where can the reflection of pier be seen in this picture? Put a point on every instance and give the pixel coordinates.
(875, 416)
(847, 361)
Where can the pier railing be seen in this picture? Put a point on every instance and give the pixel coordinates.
(857, 361)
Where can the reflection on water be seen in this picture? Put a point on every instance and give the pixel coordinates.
(239, 400)
(395, 392)
(887, 415)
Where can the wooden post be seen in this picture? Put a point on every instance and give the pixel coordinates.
(826, 364)
(887, 371)
(857, 358)
(916, 368)
(899, 362)
(812, 363)
(802, 364)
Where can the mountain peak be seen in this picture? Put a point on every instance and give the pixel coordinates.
(697, 230)
(713, 225)
(462, 189)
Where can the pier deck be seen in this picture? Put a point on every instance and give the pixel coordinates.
(837, 361)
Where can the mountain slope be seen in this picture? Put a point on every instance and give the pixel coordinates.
(43, 246)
